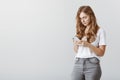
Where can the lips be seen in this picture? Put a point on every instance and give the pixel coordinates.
(84, 23)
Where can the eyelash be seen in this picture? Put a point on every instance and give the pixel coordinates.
(83, 17)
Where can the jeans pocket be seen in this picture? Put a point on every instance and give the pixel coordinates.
(94, 60)
(76, 60)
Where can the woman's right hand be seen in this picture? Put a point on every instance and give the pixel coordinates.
(78, 42)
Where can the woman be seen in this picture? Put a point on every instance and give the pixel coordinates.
(89, 45)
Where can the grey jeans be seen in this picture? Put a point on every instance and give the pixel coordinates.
(86, 69)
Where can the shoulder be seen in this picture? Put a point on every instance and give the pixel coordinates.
(101, 30)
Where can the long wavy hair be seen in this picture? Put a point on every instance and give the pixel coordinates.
(80, 28)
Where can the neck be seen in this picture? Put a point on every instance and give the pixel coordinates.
(87, 27)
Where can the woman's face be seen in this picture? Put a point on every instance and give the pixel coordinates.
(85, 19)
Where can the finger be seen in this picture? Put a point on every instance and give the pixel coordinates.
(75, 42)
(80, 42)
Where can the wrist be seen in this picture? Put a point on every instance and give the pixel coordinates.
(89, 45)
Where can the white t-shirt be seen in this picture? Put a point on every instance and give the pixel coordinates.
(85, 52)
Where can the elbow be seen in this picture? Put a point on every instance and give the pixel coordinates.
(101, 51)
(101, 54)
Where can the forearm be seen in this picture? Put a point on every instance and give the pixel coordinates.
(76, 48)
(98, 50)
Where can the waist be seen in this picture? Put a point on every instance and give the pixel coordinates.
(90, 58)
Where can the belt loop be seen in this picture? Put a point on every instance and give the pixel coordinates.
(77, 59)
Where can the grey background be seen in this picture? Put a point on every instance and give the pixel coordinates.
(36, 38)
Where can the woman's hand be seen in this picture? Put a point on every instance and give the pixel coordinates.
(82, 43)
(78, 42)
(85, 43)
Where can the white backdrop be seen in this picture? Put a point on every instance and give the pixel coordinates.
(36, 38)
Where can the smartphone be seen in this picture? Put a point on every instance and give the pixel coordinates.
(75, 39)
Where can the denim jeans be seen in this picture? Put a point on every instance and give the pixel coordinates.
(86, 69)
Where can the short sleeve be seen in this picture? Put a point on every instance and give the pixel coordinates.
(102, 37)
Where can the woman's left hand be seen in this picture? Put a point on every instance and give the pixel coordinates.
(85, 43)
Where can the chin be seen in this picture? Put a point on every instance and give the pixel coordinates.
(84, 24)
